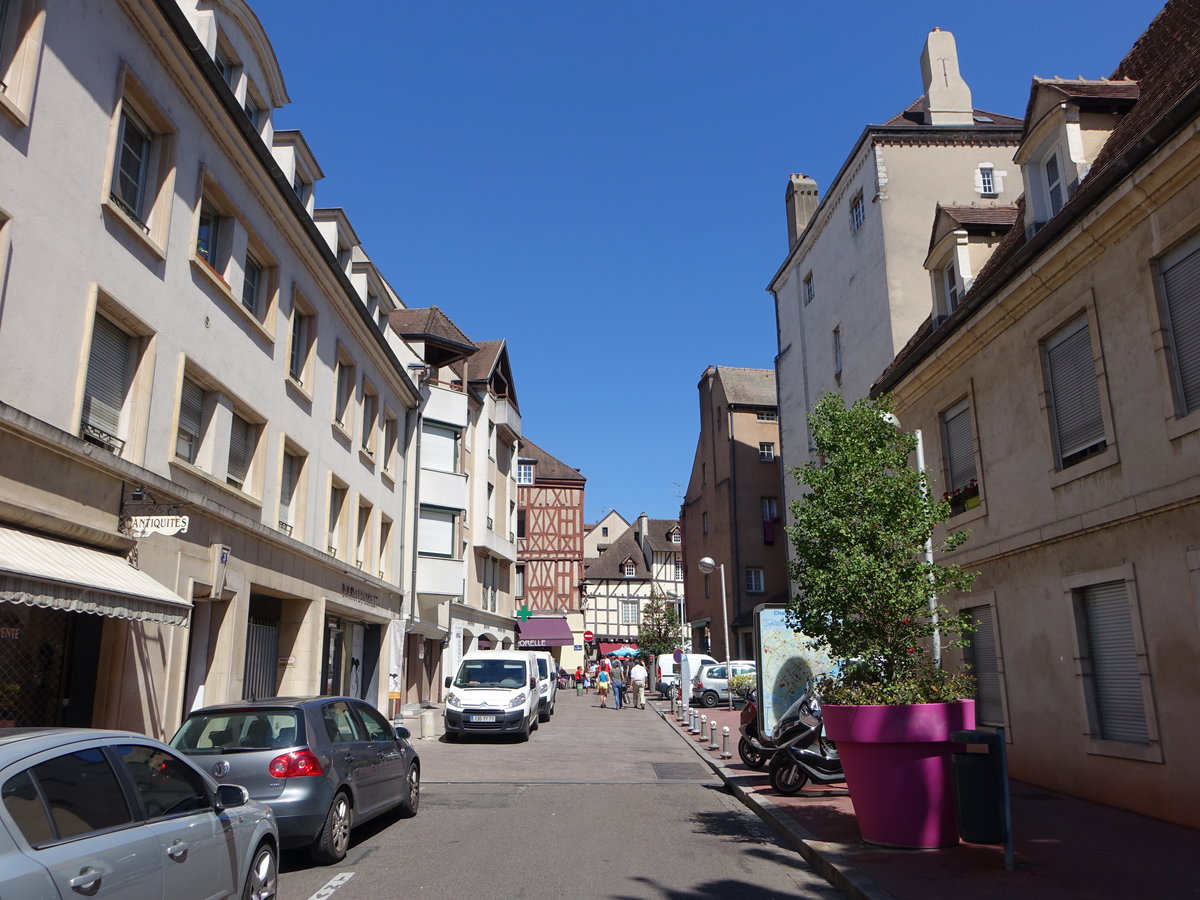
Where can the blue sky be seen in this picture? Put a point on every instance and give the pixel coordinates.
(601, 183)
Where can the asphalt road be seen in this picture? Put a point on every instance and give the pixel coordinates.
(599, 803)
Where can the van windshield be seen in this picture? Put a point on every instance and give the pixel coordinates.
(492, 673)
(543, 669)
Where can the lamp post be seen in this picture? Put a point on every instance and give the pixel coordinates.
(891, 419)
(707, 564)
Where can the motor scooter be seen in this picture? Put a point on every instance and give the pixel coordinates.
(752, 748)
(803, 753)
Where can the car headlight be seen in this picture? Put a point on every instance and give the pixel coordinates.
(518, 701)
(452, 700)
(544, 688)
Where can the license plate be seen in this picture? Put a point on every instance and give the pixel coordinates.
(483, 718)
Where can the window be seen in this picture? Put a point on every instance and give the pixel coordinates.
(524, 473)
(370, 412)
(376, 726)
(243, 437)
(703, 474)
(491, 448)
(707, 588)
(676, 537)
(837, 352)
(1076, 418)
(141, 176)
(704, 523)
(131, 179)
(439, 447)
(214, 239)
(166, 785)
(363, 541)
(192, 403)
(289, 479)
(1055, 191)
(958, 446)
(385, 545)
(678, 569)
(435, 533)
(767, 415)
(343, 389)
(987, 180)
(766, 451)
(391, 434)
(1180, 281)
(981, 655)
(950, 288)
(301, 343)
(630, 569)
(770, 509)
(107, 384)
(1109, 663)
(754, 580)
(340, 725)
(519, 587)
(604, 531)
(337, 512)
(252, 284)
(80, 790)
(857, 213)
(227, 64)
(520, 523)
(20, 48)
(629, 612)
(810, 291)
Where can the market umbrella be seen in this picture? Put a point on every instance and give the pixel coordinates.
(624, 651)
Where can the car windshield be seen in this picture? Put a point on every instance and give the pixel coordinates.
(543, 669)
(239, 730)
(491, 673)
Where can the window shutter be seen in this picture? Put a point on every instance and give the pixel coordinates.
(191, 417)
(1074, 392)
(1181, 284)
(104, 393)
(437, 448)
(981, 654)
(436, 533)
(287, 486)
(960, 448)
(1117, 683)
(239, 451)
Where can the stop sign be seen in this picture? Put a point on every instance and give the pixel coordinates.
(587, 637)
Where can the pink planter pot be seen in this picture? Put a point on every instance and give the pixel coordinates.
(898, 769)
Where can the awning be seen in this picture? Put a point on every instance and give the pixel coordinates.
(544, 632)
(607, 647)
(41, 571)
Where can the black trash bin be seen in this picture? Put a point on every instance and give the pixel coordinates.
(979, 789)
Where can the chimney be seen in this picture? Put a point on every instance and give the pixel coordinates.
(947, 98)
(643, 529)
(801, 201)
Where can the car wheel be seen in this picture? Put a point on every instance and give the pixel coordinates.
(709, 699)
(535, 720)
(544, 716)
(752, 756)
(523, 734)
(334, 840)
(786, 776)
(451, 736)
(412, 802)
(262, 879)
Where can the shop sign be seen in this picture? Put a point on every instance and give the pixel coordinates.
(140, 526)
(286, 662)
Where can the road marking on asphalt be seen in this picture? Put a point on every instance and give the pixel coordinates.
(331, 886)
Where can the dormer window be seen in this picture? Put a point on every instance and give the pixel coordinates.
(227, 65)
(675, 538)
(950, 288)
(630, 568)
(1053, 183)
(524, 473)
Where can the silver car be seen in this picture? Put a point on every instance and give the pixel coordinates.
(323, 764)
(86, 812)
(711, 684)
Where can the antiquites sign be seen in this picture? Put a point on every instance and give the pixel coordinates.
(140, 526)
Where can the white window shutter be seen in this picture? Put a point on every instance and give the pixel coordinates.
(108, 363)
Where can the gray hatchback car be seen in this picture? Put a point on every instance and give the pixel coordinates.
(101, 813)
(323, 764)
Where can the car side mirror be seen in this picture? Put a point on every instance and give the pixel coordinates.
(231, 796)
(449, 681)
(402, 733)
(532, 683)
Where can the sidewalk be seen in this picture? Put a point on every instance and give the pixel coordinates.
(1064, 847)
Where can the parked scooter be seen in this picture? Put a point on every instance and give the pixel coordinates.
(752, 748)
(803, 753)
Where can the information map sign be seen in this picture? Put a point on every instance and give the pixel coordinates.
(786, 664)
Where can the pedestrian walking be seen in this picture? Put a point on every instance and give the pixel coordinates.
(617, 674)
(637, 679)
(578, 680)
(602, 684)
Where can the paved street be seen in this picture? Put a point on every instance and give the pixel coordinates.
(599, 803)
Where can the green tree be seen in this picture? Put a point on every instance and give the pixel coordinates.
(863, 584)
(659, 631)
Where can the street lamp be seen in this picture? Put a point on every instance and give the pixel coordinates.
(891, 419)
(707, 564)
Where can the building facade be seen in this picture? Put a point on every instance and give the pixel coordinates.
(549, 554)
(732, 511)
(1068, 382)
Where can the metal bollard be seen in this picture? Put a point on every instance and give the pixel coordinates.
(703, 726)
(694, 725)
(683, 711)
(725, 754)
(712, 735)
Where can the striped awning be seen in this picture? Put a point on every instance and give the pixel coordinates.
(42, 571)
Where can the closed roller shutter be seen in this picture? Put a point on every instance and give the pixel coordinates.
(1116, 682)
(1181, 284)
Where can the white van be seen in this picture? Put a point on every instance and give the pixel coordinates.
(666, 671)
(494, 692)
(548, 686)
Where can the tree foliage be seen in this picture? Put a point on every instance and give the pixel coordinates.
(863, 584)
(659, 631)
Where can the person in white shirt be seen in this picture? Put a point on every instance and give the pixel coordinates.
(637, 677)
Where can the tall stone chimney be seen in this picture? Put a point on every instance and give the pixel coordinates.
(801, 201)
(947, 97)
